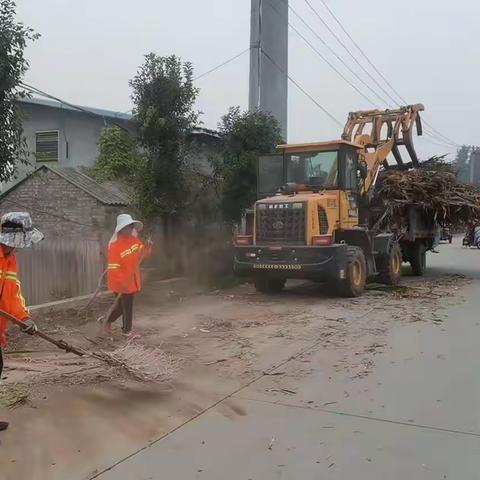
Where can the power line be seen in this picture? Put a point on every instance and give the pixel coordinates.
(362, 52)
(436, 137)
(322, 57)
(433, 142)
(336, 56)
(37, 91)
(440, 135)
(51, 214)
(321, 107)
(437, 134)
(355, 59)
(226, 62)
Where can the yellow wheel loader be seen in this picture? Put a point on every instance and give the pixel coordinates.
(314, 218)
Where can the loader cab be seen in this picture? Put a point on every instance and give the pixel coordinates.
(312, 167)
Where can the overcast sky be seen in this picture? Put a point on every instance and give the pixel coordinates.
(89, 50)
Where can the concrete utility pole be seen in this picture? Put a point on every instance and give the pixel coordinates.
(269, 59)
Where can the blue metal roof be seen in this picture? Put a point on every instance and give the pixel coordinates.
(96, 111)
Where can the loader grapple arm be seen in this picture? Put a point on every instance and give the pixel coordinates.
(387, 126)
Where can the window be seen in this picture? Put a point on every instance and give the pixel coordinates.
(351, 176)
(46, 146)
(270, 174)
(313, 168)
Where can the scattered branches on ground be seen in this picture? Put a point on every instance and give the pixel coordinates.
(150, 364)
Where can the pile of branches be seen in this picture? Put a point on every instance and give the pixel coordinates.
(436, 192)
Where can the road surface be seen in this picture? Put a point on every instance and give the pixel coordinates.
(414, 414)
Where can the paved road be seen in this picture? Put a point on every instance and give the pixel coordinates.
(416, 416)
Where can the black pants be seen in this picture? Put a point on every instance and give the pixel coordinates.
(125, 308)
(1, 362)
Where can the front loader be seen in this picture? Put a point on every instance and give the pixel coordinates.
(314, 218)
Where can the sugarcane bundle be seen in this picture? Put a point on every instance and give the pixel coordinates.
(437, 192)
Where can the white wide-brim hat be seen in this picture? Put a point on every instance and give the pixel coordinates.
(16, 230)
(124, 220)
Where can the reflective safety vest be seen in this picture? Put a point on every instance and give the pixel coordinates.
(11, 299)
(123, 269)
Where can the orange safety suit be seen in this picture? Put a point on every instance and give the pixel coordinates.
(123, 269)
(11, 299)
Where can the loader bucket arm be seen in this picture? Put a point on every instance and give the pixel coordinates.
(388, 130)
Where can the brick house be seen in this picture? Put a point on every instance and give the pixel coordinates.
(77, 216)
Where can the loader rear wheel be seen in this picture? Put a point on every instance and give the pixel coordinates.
(391, 269)
(355, 275)
(269, 285)
(418, 260)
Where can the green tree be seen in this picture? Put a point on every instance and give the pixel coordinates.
(246, 135)
(118, 156)
(13, 65)
(164, 98)
(462, 164)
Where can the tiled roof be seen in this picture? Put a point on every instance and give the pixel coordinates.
(87, 184)
(107, 196)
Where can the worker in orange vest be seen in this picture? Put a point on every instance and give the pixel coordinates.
(125, 253)
(16, 231)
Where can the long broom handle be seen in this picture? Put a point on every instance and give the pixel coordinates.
(58, 343)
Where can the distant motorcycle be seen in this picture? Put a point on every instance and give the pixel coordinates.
(446, 235)
(472, 238)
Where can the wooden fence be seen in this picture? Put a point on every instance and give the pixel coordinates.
(59, 268)
(63, 268)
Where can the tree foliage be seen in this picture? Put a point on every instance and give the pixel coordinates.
(118, 156)
(246, 135)
(164, 98)
(462, 163)
(13, 65)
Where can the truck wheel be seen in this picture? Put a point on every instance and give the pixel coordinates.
(391, 269)
(418, 260)
(269, 285)
(356, 274)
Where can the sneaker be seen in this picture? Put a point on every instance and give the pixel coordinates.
(107, 328)
(3, 426)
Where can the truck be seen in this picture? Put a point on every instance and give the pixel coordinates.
(316, 219)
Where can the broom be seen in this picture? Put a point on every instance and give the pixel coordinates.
(159, 367)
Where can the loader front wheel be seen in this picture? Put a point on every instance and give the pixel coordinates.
(418, 260)
(391, 270)
(355, 275)
(269, 285)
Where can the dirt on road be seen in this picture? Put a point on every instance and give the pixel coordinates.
(77, 416)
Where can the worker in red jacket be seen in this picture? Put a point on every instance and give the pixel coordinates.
(16, 231)
(125, 253)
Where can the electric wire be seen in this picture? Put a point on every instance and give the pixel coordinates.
(435, 133)
(226, 62)
(354, 58)
(446, 142)
(308, 95)
(315, 50)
